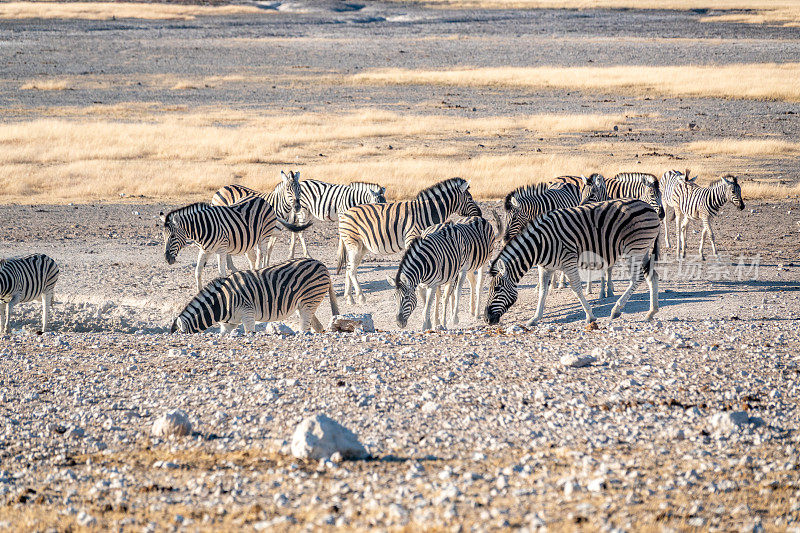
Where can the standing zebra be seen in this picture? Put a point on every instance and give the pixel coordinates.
(637, 185)
(284, 200)
(240, 228)
(702, 203)
(468, 243)
(24, 279)
(593, 236)
(385, 229)
(326, 201)
(671, 181)
(265, 295)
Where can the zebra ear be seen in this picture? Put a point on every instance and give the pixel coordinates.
(464, 185)
(586, 181)
(295, 175)
(390, 280)
(162, 216)
(284, 177)
(514, 202)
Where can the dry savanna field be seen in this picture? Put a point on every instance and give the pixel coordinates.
(115, 111)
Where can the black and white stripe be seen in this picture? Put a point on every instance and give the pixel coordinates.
(24, 279)
(703, 203)
(671, 181)
(241, 228)
(264, 295)
(385, 229)
(591, 236)
(639, 185)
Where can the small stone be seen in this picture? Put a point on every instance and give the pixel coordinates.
(319, 437)
(278, 328)
(576, 361)
(352, 323)
(85, 519)
(172, 424)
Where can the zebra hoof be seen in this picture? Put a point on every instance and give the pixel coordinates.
(615, 313)
(362, 299)
(651, 314)
(530, 323)
(349, 300)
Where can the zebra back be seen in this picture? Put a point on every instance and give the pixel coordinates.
(326, 201)
(27, 277)
(271, 293)
(230, 194)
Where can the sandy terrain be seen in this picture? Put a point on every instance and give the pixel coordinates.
(686, 423)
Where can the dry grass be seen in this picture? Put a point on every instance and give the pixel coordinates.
(763, 81)
(115, 10)
(745, 147)
(47, 85)
(176, 154)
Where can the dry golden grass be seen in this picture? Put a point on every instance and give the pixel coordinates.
(110, 10)
(745, 147)
(47, 85)
(144, 150)
(763, 81)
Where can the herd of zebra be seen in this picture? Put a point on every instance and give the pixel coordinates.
(565, 225)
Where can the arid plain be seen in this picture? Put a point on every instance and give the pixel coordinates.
(114, 112)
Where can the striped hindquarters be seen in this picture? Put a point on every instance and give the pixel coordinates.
(325, 201)
(270, 294)
(27, 278)
(230, 194)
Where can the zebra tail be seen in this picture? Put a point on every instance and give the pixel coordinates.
(341, 256)
(649, 263)
(334, 303)
(295, 228)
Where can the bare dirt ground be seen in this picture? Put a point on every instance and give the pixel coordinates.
(686, 423)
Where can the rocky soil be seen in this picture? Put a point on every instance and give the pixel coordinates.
(686, 422)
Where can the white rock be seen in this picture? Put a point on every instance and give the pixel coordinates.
(430, 407)
(319, 437)
(85, 519)
(172, 423)
(352, 322)
(729, 420)
(596, 485)
(571, 487)
(278, 328)
(577, 361)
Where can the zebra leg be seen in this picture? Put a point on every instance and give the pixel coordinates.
(711, 238)
(470, 274)
(478, 289)
(47, 300)
(544, 285)
(636, 279)
(359, 293)
(252, 258)
(292, 245)
(682, 242)
(354, 257)
(226, 327)
(457, 296)
(270, 245)
(249, 321)
(438, 297)
(652, 283)
(666, 226)
(198, 271)
(229, 262)
(429, 294)
(609, 284)
(576, 285)
(4, 314)
(303, 244)
(315, 323)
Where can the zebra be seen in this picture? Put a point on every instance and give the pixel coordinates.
(636, 185)
(385, 229)
(702, 203)
(594, 235)
(529, 202)
(24, 279)
(285, 199)
(264, 295)
(671, 181)
(326, 201)
(469, 243)
(240, 228)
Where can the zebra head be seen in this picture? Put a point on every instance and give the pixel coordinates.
(291, 190)
(652, 195)
(378, 196)
(175, 237)
(406, 296)
(5, 281)
(465, 205)
(594, 189)
(733, 191)
(516, 218)
(179, 325)
(502, 292)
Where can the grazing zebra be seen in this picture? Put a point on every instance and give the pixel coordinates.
(24, 279)
(468, 243)
(532, 201)
(593, 236)
(389, 228)
(285, 199)
(326, 201)
(240, 228)
(670, 182)
(637, 185)
(264, 295)
(702, 203)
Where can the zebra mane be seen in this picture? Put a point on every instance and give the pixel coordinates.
(365, 185)
(431, 191)
(635, 177)
(186, 210)
(414, 245)
(525, 190)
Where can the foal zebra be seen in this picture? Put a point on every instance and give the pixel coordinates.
(285, 199)
(240, 228)
(23, 279)
(265, 295)
(326, 201)
(593, 236)
(702, 203)
(385, 229)
(475, 238)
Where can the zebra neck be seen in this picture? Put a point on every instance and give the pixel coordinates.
(717, 197)
(519, 257)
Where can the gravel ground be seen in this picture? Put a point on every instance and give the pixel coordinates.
(478, 426)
